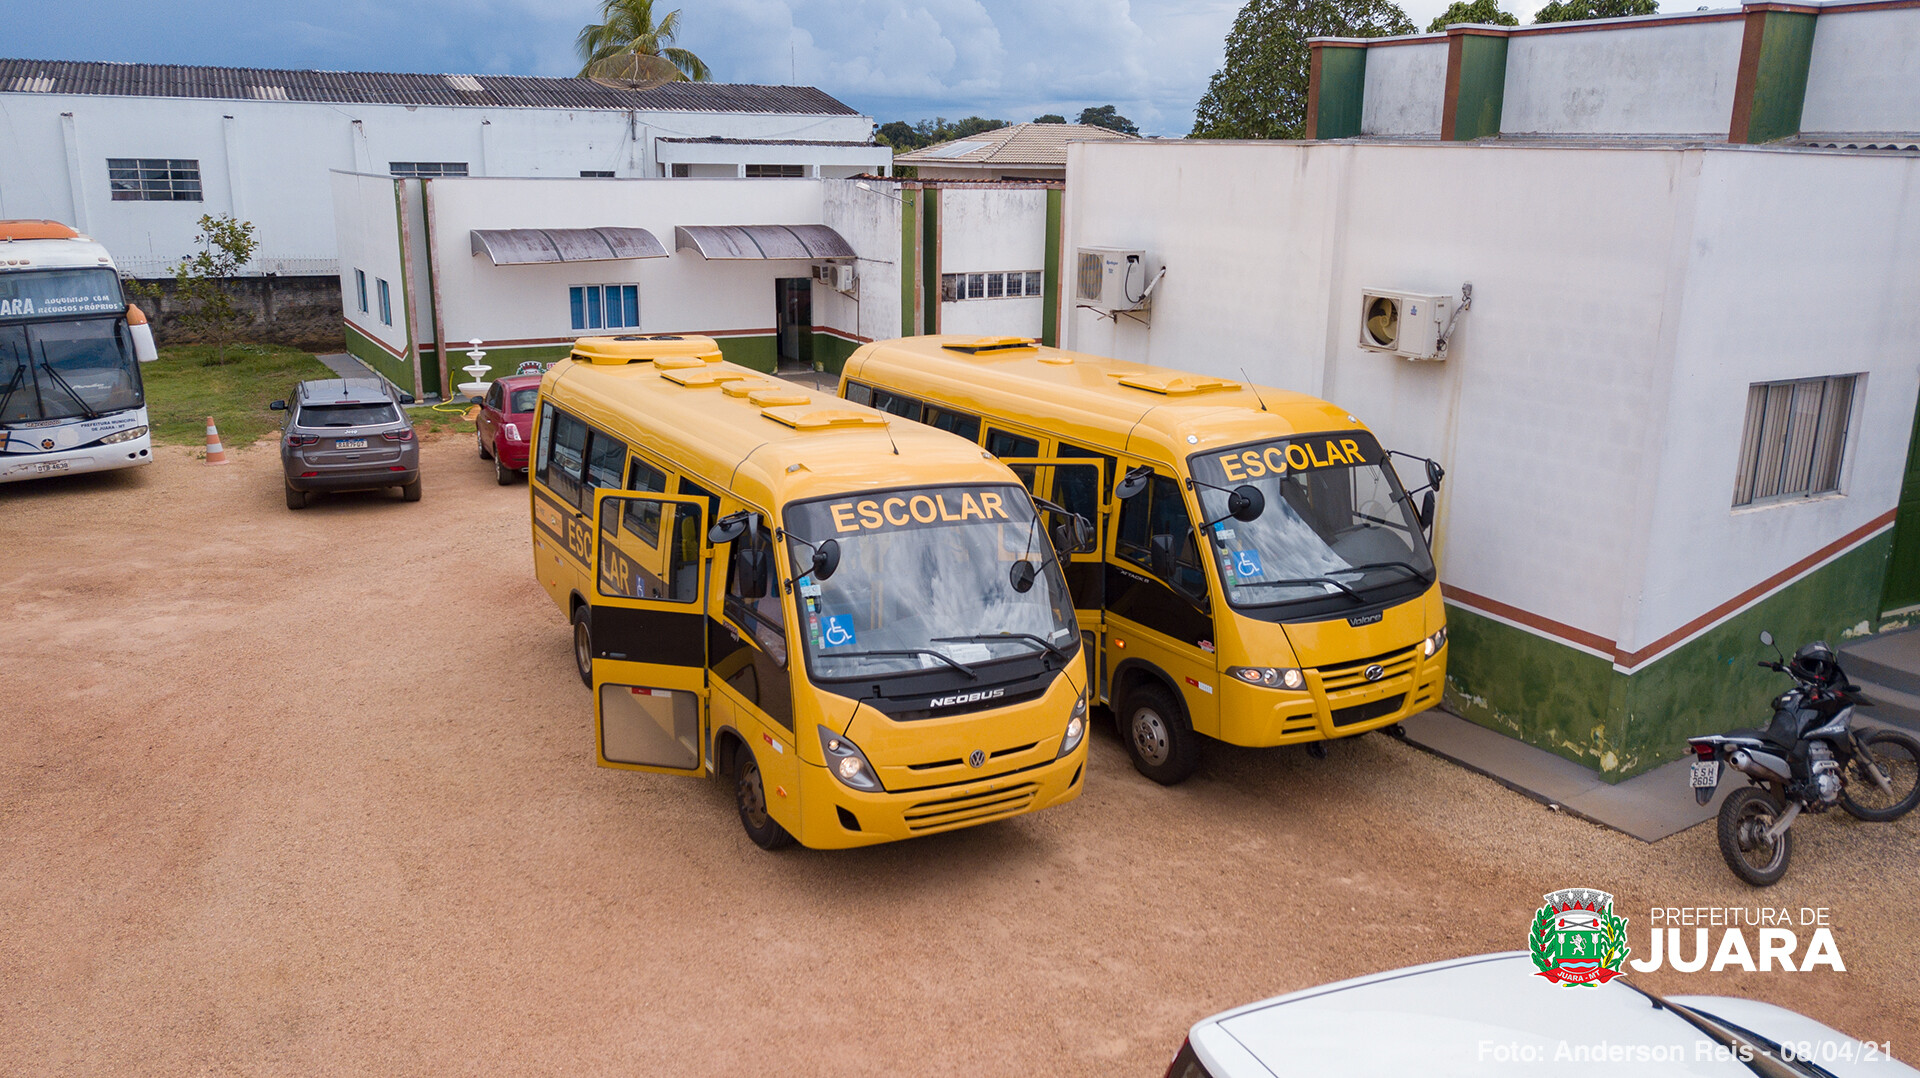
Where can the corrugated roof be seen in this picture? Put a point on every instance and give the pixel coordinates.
(1019, 144)
(392, 88)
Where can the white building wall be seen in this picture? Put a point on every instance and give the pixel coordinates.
(368, 240)
(1550, 413)
(1406, 89)
(992, 229)
(279, 154)
(1864, 74)
(869, 220)
(1676, 78)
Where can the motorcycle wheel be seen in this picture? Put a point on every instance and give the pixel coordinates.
(1744, 818)
(1897, 755)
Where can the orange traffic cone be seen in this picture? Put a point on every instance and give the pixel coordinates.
(216, 453)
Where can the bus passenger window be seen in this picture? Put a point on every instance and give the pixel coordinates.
(560, 469)
(643, 518)
(895, 404)
(966, 426)
(859, 394)
(1002, 444)
(1157, 518)
(761, 617)
(605, 458)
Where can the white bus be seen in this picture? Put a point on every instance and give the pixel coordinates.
(71, 397)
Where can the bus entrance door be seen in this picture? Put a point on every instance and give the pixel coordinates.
(650, 709)
(1078, 485)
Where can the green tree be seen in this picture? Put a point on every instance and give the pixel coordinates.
(1261, 89)
(199, 282)
(1050, 118)
(1484, 12)
(1108, 117)
(1578, 10)
(629, 43)
(900, 135)
(904, 137)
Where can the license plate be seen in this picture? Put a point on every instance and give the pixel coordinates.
(349, 443)
(51, 466)
(1704, 775)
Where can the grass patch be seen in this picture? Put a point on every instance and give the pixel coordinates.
(188, 383)
(427, 420)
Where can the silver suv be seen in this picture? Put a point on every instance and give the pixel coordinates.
(348, 434)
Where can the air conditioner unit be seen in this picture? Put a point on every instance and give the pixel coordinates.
(1406, 324)
(1111, 278)
(835, 275)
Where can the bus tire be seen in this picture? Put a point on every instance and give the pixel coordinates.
(1154, 728)
(750, 797)
(296, 499)
(410, 492)
(583, 643)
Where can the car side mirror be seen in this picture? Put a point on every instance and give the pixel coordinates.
(1426, 511)
(406, 398)
(278, 406)
(1132, 483)
(475, 400)
(751, 571)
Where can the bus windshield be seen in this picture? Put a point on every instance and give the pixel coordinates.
(924, 582)
(78, 369)
(1337, 530)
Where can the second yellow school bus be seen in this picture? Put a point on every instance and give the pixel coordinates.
(1261, 576)
(857, 621)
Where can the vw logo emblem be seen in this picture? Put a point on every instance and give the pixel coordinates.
(1375, 672)
(978, 759)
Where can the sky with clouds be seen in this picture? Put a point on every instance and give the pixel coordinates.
(892, 59)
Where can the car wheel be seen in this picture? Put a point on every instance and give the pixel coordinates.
(296, 499)
(485, 453)
(750, 796)
(583, 643)
(1154, 728)
(411, 492)
(502, 474)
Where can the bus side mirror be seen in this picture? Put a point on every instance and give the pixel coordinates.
(750, 571)
(1426, 511)
(1245, 503)
(278, 406)
(1021, 576)
(826, 558)
(1435, 473)
(1132, 483)
(727, 528)
(1075, 535)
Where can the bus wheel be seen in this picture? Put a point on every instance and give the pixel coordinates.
(583, 643)
(750, 795)
(1154, 729)
(296, 499)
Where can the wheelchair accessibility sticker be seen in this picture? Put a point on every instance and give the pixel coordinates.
(836, 630)
(1246, 563)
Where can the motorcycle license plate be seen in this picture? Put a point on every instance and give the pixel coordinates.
(1705, 774)
(349, 443)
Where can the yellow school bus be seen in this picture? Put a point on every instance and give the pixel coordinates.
(856, 620)
(1261, 576)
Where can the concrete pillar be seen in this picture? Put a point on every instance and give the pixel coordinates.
(1476, 82)
(1336, 87)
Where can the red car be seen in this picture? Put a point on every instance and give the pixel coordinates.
(505, 424)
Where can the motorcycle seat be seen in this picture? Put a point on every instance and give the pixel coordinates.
(1758, 735)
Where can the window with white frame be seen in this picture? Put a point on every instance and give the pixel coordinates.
(1002, 284)
(360, 286)
(596, 174)
(604, 306)
(386, 301)
(426, 169)
(1795, 439)
(776, 172)
(153, 179)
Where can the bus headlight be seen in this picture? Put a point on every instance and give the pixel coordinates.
(1434, 643)
(127, 435)
(1076, 728)
(847, 762)
(1269, 676)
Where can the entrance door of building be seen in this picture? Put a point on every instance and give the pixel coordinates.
(793, 307)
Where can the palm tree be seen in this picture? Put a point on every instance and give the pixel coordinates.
(629, 32)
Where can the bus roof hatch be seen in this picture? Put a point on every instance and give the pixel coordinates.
(802, 417)
(665, 349)
(1172, 384)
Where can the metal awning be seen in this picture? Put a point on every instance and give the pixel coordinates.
(718, 242)
(531, 246)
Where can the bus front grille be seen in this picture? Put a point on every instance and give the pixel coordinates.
(1353, 675)
(1347, 716)
(992, 804)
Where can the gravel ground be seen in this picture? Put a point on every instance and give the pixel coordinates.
(314, 792)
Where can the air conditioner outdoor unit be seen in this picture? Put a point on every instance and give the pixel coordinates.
(1406, 324)
(835, 275)
(1111, 278)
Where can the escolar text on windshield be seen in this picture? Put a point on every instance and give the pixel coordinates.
(896, 511)
(1300, 456)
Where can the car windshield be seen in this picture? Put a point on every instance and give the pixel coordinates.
(924, 582)
(1336, 523)
(521, 402)
(346, 415)
(66, 370)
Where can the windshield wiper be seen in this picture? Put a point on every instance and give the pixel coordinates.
(1411, 571)
(12, 385)
(1297, 581)
(1762, 1056)
(942, 656)
(62, 383)
(1056, 650)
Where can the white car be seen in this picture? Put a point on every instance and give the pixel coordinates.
(1490, 1015)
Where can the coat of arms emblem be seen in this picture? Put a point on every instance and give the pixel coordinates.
(1576, 939)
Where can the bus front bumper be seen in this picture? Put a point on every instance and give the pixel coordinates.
(93, 458)
(1257, 717)
(890, 817)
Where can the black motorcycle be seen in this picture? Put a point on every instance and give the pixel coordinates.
(1808, 759)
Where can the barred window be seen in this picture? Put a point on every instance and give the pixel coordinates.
(1796, 434)
(776, 172)
(976, 285)
(951, 286)
(997, 285)
(959, 286)
(426, 169)
(153, 179)
(596, 174)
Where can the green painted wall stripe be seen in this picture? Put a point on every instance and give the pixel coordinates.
(909, 224)
(1902, 588)
(369, 351)
(1050, 273)
(1780, 83)
(930, 257)
(1482, 87)
(1343, 85)
(830, 351)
